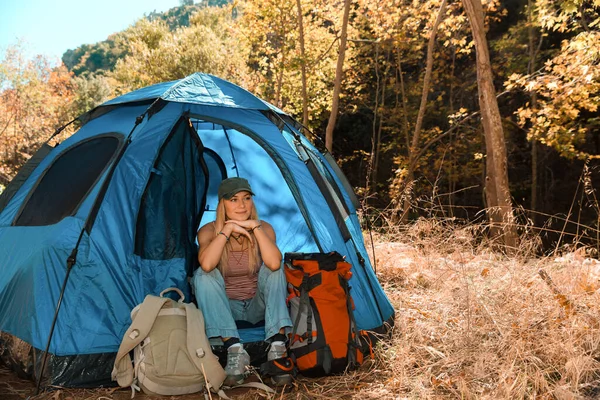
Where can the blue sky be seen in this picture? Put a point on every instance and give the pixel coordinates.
(50, 27)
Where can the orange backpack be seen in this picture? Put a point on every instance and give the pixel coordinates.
(324, 339)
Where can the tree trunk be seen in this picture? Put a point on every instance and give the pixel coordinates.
(280, 74)
(302, 64)
(339, 71)
(534, 144)
(278, 99)
(412, 151)
(370, 170)
(451, 177)
(378, 127)
(497, 190)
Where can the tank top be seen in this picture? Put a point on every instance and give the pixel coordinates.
(240, 284)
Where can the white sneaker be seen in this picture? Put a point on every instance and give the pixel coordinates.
(238, 361)
(278, 350)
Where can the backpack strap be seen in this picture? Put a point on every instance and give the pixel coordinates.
(138, 330)
(254, 385)
(303, 303)
(199, 346)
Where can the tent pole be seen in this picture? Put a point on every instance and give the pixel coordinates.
(72, 259)
(70, 262)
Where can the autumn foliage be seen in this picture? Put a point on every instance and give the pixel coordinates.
(409, 137)
(35, 99)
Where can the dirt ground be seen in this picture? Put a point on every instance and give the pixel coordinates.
(14, 388)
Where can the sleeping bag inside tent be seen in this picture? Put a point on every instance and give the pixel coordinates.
(91, 226)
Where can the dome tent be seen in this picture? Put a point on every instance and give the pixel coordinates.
(93, 225)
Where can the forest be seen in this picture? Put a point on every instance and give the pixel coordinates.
(406, 84)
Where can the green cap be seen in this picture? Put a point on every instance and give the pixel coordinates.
(230, 186)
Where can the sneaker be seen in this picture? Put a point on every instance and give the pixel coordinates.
(238, 361)
(276, 351)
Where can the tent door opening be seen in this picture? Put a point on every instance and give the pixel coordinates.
(173, 201)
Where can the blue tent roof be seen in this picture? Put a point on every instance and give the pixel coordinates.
(198, 88)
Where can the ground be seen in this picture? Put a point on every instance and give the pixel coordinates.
(471, 323)
(341, 387)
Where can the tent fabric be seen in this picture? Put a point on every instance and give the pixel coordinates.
(198, 89)
(23, 174)
(147, 204)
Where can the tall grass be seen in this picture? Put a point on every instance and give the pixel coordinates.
(475, 323)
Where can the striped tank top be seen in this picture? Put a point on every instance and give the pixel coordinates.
(239, 283)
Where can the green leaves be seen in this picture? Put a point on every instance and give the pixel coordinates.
(157, 54)
(568, 94)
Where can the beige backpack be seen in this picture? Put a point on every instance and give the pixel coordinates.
(171, 352)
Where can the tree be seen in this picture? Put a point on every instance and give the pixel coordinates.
(157, 54)
(90, 91)
(302, 63)
(497, 189)
(413, 149)
(407, 53)
(271, 30)
(339, 71)
(567, 88)
(35, 99)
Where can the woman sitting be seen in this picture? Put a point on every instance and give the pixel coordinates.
(240, 277)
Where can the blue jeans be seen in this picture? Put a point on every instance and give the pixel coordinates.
(220, 312)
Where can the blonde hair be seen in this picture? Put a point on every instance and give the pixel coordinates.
(253, 257)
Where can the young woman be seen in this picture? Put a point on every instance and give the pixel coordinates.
(240, 277)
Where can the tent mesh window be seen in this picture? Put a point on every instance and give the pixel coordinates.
(24, 173)
(68, 180)
(174, 198)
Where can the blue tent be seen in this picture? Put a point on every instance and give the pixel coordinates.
(110, 215)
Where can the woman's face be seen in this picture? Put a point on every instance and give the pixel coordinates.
(239, 207)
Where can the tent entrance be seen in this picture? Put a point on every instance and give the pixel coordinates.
(173, 201)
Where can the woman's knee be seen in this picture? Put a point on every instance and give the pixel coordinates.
(270, 278)
(270, 274)
(202, 279)
(202, 274)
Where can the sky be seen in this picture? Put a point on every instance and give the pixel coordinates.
(50, 27)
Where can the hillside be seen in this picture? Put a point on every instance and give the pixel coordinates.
(102, 56)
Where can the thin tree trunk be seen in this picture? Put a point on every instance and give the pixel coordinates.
(406, 125)
(427, 78)
(417, 132)
(497, 188)
(381, 115)
(338, 79)
(280, 82)
(278, 97)
(370, 180)
(534, 144)
(302, 64)
(451, 180)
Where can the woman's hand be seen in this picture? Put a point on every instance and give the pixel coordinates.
(240, 227)
(248, 224)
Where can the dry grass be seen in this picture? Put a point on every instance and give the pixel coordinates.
(471, 324)
(477, 324)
